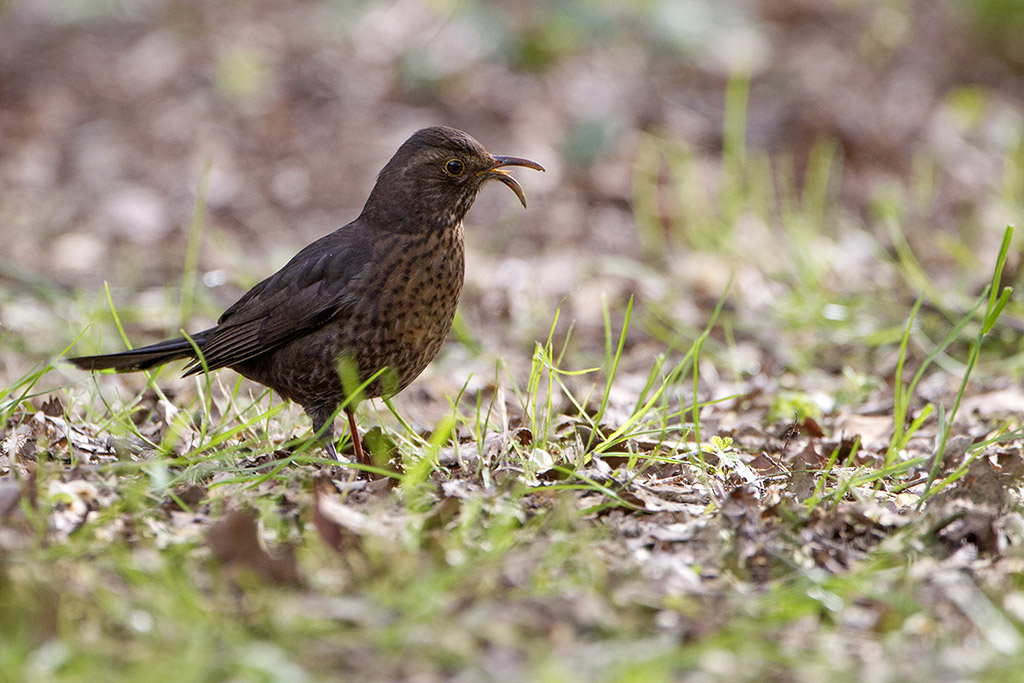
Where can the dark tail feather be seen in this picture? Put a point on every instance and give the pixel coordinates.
(142, 358)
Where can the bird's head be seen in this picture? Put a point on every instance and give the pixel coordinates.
(433, 178)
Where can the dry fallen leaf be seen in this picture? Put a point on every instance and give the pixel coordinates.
(874, 431)
(52, 406)
(234, 540)
(993, 404)
(340, 527)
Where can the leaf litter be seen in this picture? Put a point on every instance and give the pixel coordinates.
(759, 508)
(790, 523)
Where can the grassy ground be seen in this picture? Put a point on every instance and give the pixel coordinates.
(781, 440)
(580, 520)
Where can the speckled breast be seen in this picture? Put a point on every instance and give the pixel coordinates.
(407, 305)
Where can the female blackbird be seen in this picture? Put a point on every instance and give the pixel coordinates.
(369, 304)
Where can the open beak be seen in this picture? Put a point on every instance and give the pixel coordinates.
(499, 172)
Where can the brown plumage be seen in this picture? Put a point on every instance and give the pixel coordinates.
(377, 295)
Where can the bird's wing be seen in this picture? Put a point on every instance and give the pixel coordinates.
(316, 286)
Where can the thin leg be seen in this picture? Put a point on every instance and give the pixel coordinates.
(356, 442)
(320, 416)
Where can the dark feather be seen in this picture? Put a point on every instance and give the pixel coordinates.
(142, 358)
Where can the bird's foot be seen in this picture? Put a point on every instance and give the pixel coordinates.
(332, 450)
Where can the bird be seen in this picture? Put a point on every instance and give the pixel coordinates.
(362, 311)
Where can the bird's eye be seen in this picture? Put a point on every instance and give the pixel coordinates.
(454, 167)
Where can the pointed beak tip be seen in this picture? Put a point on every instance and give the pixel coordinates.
(498, 172)
(513, 185)
(517, 161)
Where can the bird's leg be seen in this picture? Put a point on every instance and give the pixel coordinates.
(356, 442)
(332, 452)
(320, 417)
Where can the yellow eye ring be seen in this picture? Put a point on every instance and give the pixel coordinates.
(454, 167)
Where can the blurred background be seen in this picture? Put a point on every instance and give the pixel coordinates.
(802, 147)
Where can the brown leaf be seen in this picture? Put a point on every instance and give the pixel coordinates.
(234, 540)
(334, 521)
(874, 430)
(983, 484)
(809, 458)
(523, 435)
(969, 526)
(614, 461)
(766, 466)
(740, 502)
(992, 404)
(805, 465)
(52, 407)
(810, 427)
(188, 495)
